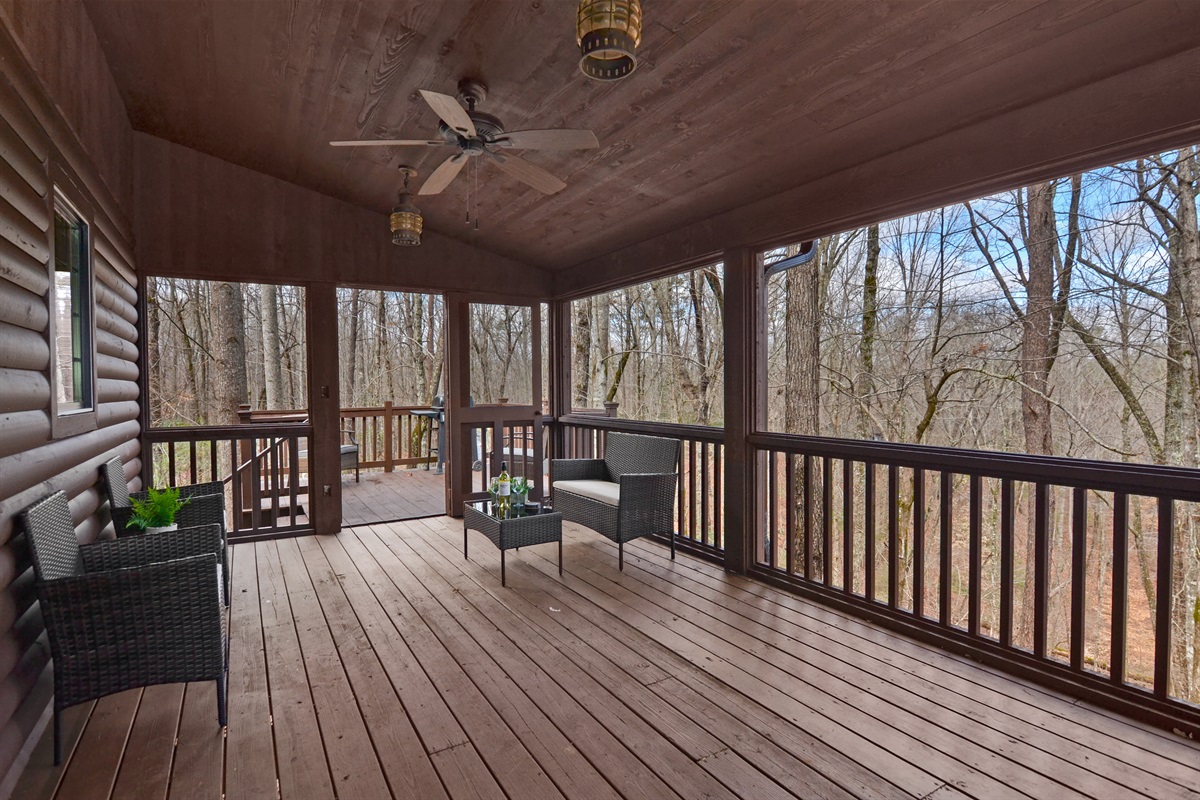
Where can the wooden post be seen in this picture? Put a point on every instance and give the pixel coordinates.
(389, 459)
(458, 394)
(324, 448)
(245, 451)
(745, 376)
(560, 370)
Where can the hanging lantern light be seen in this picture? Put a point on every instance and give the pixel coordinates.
(406, 219)
(608, 33)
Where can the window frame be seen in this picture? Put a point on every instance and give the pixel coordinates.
(63, 201)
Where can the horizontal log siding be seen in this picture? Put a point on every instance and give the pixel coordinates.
(32, 464)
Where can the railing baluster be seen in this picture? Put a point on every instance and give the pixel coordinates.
(235, 481)
(975, 556)
(718, 508)
(174, 479)
(893, 524)
(789, 497)
(193, 478)
(256, 487)
(1120, 586)
(847, 525)
(869, 530)
(691, 490)
(808, 516)
(1162, 599)
(1078, 575)
(946, 568)
(918, 543)
(294, 479)
(704, 492)
(772, 511)
(212, 460)
(1041, 566)
(827, 521)
(1007, 512)
(273, 461)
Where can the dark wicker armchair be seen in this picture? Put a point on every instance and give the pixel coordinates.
(206, 501)
(126, 613)
(205, 506)
(628, 493)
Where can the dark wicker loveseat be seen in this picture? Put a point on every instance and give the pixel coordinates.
(628, 493)
(126, 613)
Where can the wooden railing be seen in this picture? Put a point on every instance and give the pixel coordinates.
(1041, 564)
(263, 466)
(388, 436)
(699, 511)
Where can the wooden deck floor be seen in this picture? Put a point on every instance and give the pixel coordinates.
(387, 496)
(380, 663)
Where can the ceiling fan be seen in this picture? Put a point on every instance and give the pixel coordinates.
(476, 133)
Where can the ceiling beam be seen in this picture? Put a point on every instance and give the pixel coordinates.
(1123, 116)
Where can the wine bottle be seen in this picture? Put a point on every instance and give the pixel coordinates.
(505, 492)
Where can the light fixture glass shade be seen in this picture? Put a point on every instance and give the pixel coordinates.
(608, 33)
(406, 223)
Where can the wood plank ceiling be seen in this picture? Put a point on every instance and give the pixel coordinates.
(732, 101)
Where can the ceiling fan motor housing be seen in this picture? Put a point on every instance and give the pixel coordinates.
(487, 127)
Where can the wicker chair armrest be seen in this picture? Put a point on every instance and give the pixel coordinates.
(578, 469)
(189, 490)
(648, 502)
(132, 607)
(135, 551)
(203, 509)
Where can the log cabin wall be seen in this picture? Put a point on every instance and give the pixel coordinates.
(61, 123)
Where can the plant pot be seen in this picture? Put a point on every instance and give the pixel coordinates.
(174, 526)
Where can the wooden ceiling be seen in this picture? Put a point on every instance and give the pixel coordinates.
(732, 101)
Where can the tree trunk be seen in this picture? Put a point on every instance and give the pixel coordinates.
(870, 321)
(272, 360)
(802, 394)
(231, 351)
(581, 333)
(349, 395)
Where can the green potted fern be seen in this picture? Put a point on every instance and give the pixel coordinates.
(157, 512)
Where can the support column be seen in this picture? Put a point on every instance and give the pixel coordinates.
(324, 409)
(458, 397)
(745, 409)
(560, 369)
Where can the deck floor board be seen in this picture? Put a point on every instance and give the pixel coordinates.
(381, 662)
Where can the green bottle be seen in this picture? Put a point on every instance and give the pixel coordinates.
(505, 492)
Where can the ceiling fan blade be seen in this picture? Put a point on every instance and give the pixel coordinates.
(558, 139)
(450, 111)
(525, 172)
(440, 178)
(390, 143)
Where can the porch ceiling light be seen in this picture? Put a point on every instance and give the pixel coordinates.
(608, 33)
(406, 219)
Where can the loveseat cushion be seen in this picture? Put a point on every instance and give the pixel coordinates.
(605, 492)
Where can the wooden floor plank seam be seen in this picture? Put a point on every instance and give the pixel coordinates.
(975, 714)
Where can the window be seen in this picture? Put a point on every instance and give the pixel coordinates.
(71, 326)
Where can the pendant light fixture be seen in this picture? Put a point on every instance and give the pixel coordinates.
(608, 33)
(406, 219)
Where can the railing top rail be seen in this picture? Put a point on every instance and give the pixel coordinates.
(201, 433)
(702, 433)
(367, 410)
(1142, 479)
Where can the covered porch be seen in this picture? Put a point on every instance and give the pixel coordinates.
(378, 662)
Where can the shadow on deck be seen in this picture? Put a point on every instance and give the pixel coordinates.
(380, 662)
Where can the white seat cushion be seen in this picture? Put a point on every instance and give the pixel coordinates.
(605, 491)
(348, 449)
